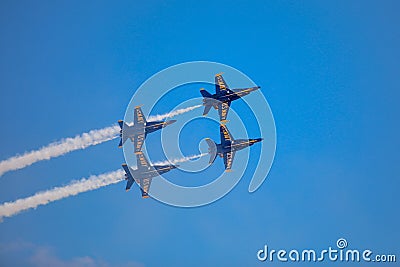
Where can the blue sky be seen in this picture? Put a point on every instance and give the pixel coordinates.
(329, 71)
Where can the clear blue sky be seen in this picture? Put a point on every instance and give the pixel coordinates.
(329, 69)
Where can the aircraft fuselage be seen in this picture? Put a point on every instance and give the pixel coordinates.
(152, 171)
(229, 97)
(149, 127)
(236, 145)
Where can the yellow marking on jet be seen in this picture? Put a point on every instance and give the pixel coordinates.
(139, 114)
(219, 74)
(226, 134)
(221, 83)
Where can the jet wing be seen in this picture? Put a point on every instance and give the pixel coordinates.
(138, 117)
(138, 141)
(228, 160)
(226, 137)
(220, 85)
(223, 109)
(145, 186)
(142, 162)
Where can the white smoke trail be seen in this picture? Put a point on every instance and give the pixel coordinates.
(179, 160)
(94, 137)
(78, 142)
(172, 113)
(9, 209)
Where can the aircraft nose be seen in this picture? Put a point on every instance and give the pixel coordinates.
(169, 122)
(256, 140)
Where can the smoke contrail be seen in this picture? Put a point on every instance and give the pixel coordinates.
(179, 160)
(60, 148)
(172, 113)
(9, 209)
(67, 145)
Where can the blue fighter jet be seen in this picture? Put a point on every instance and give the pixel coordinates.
(139, 130)
(228, 147)
(223, 97)
(144, 173)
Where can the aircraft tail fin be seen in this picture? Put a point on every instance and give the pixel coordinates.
(205, 93)
(207, 101)
(122, 124)
(207, 108)
(212, 150)
(128, 177)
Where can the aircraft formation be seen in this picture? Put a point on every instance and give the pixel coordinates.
(221, 101)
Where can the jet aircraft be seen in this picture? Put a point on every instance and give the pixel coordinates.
(228, 147)
(144, 173)
(139, 130)
(223, 97)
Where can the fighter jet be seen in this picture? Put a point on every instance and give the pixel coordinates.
(223, 97)
(144, 173)
(138, 132)
(228, 147)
